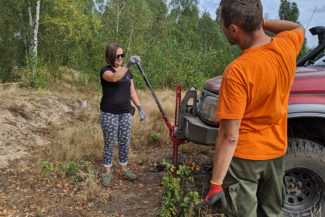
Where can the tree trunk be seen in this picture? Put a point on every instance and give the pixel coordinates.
(130, 38)
(33, 26)
(117, 18)
(30, 15)
(118, 13)
(29, 45)
(36, 24)
(131, 32)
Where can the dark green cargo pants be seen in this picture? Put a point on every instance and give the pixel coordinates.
(255, 188)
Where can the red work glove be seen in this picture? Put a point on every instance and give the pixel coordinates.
(215, 193)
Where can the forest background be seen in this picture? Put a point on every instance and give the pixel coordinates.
(177, 42)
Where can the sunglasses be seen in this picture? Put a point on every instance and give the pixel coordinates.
(120, 56)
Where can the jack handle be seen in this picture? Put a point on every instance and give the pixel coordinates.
(167, 122)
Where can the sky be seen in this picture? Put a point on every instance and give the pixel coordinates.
(312, 13)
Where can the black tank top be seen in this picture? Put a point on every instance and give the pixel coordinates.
(116, 97)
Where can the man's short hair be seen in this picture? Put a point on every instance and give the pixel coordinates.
(247, 14)
(110, 53)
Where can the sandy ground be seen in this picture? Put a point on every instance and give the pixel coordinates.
(23, 115)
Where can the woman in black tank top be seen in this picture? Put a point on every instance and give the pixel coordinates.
(115, 118)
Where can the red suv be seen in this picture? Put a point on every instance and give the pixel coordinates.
(305, 158)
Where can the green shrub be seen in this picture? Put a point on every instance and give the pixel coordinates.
(71, 169)
(75, 170)
(178, 199)
(38, 211)
(35, 76)
(46, 168)
(176, 61)
(154, 138)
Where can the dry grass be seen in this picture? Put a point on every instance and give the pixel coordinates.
(70, 81)
(153, 129)
(84, 139)
(9, 87)
(77, 135)
(93, 191)
(78, 142)
(191, 148)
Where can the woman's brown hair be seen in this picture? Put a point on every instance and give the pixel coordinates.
(110, 54)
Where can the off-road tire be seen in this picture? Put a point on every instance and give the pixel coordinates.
(305, 179)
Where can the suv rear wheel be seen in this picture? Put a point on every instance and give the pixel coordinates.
(305, 179)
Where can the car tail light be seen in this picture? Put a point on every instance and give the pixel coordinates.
(207, 110)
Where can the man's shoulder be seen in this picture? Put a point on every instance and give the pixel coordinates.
(290, 40)
(235, 71)
(290, 35)
(239, 63)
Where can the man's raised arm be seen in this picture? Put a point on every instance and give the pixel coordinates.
(277, 26)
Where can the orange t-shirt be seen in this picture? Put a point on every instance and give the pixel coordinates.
(255, 88)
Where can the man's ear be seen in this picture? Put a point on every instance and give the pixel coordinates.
(233, 28)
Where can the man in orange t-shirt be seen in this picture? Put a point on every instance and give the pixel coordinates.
(248, 167)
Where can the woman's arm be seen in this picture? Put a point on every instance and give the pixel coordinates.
(136, 102)
(115, 77)
(119, 73)
(134, 96)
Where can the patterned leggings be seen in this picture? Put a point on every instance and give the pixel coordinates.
(116, 127)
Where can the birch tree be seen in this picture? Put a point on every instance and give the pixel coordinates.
(33, 26)
(130, 22)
